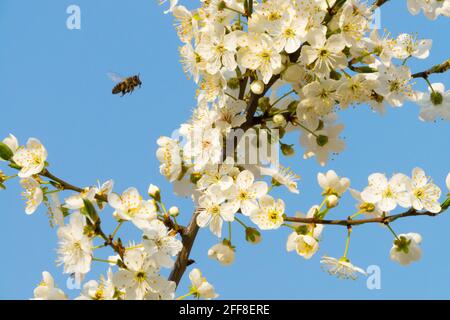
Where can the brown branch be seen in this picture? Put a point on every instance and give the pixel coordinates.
(351, 222)
(64, 185)
(188, 237)
(439, 68)
(379, 3)
(67, 186)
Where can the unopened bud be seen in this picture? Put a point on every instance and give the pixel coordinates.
(174, 211)
(279, 120)
(233, 83)
(252, 235)
(257, 87)
(264, 104)
(332, 201)
(5, 152)
(153, 191)
(287, 149)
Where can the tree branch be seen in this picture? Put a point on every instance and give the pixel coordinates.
(351, 222)
(188, 238)
(439, 68)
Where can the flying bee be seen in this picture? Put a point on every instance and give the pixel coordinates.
(124, 85)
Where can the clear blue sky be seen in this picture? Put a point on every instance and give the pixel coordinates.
(54, 87)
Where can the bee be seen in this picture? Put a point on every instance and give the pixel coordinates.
(124, 84)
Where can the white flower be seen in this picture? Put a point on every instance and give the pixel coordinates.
(261, 55)
(352, 23)
(103, 290)
(424, 194)
(326, 54)
(31, 159)
(33, 193)
(321, 95)
(229, 115)
(290, 33)
(76, 201)
(106, 188)
(200, 287)
(160, 244)
(222, 253)
(47, 290)
(431, 8)
(408, 46)
(406, 248)
(246, 191)
(218, 50)
(394, 84)
(169, 156)
(140, 276)
(341, 268)
(216, 175)
(203, 146)
(368, 208)
(332, 184)
(322, 143)
(283, 176)
(387, 194)
(357, 89)
(435, 104)
(131, 206)
(75, 248)
(166, 290)
(213, 210)
(381, 46)
(305, 245)
(269, 215)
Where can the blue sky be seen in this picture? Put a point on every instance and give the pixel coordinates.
(54, 87)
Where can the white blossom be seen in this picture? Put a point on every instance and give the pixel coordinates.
(406, 248)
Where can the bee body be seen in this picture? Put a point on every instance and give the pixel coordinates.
(127, 85)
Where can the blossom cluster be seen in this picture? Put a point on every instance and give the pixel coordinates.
(267, 67)
(78, 230)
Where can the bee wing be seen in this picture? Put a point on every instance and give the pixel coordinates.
(115, 77)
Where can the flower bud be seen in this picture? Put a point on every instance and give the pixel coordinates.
(287, 149)
(153, 191)
(252, 235)
(279, 120)
(332, 201)
(5, 152)
(264, 104)
(257, 87)
(174, 211)
(223, 253)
